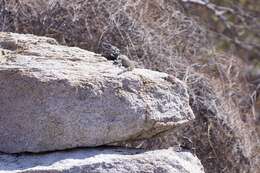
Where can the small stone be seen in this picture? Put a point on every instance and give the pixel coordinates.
(9, 43)
(126, 62)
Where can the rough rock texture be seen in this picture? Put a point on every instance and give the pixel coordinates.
(102, 161)
(54, 97)
(160, 35)
(213, 141)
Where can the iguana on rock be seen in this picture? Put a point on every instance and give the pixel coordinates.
(111, 52)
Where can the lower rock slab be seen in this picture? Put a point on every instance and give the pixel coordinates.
(102, 160)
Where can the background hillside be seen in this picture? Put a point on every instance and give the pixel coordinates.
(213, 47)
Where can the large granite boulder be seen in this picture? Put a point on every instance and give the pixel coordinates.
(54, 97)
(102, 161)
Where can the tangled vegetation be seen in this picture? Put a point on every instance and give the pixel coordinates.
(236, 23)
(159, 35)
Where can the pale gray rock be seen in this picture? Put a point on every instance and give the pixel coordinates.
(102, 161)
(54, 97)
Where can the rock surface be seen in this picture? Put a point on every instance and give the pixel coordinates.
(160, 35)
(102, 161)
(54, 97)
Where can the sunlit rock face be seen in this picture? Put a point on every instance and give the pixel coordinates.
(54, 97)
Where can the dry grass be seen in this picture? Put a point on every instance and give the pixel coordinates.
(158, 35)
(151, 32)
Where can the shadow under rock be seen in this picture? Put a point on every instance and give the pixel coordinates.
(23, 161)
